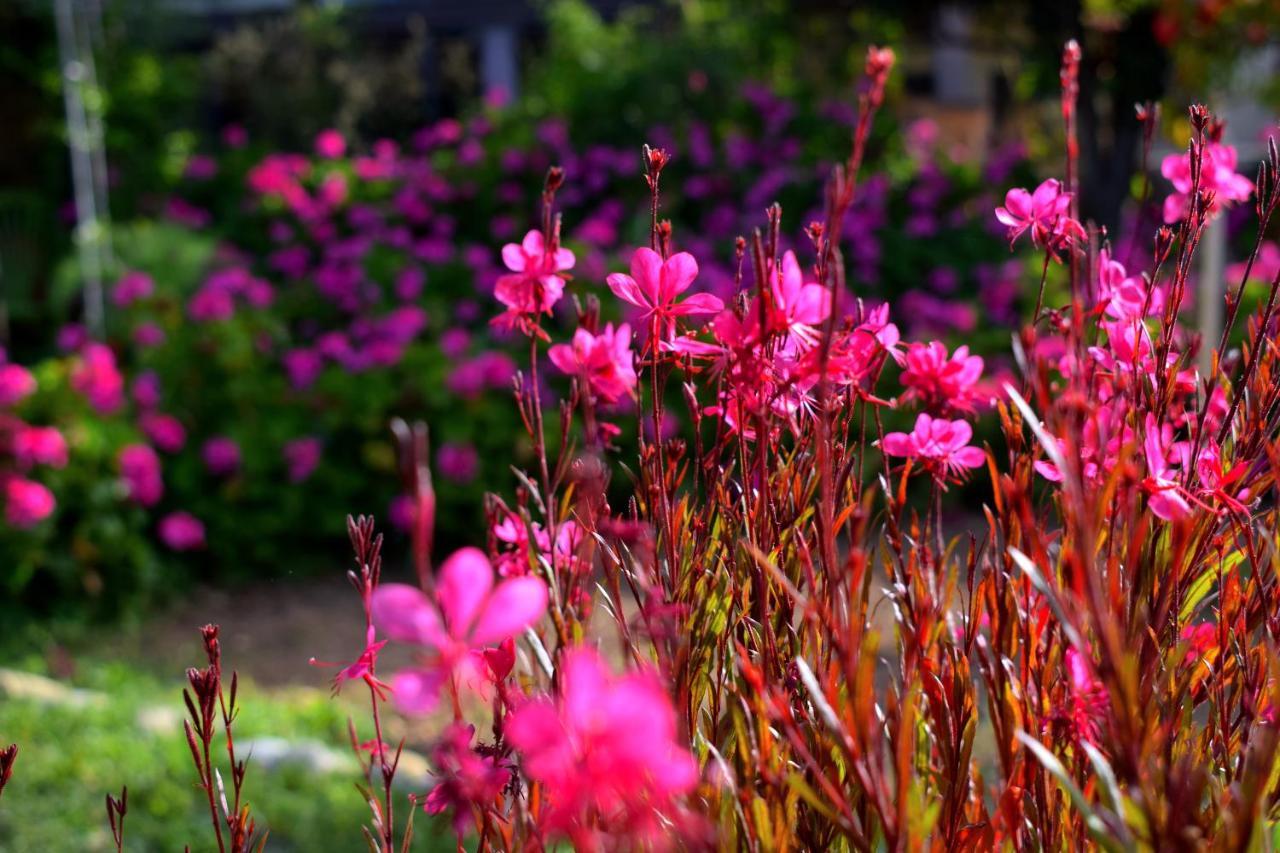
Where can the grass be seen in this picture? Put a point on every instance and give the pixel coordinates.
(129, 733)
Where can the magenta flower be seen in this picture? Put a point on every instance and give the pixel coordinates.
(1167, 498)
(942, 384)
(39, 446)
(96, 376)
(606, 749)
(330, 145)
(303, 367)
(604, 361)
(164, 431)
(140, 471)
(535, 282)
(467, 779)
(148, 335)
(1046, 213)
(146, 389)
(211, 304)
(654, 285)
(27, 503)
(362, 668)
(468, 614)
(457, 462)
(1088, 698)
(16, 383)
(941, 446)
(1217, 177)
(301, 456)
(131, 287)
(796, 307)
(221, 455)
(182, 531)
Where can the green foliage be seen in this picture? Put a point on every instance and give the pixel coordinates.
(129, 732)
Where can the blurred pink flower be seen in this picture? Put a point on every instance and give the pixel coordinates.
(301, 456)
(182, 531)
(27, 503)
(97, 378)
(16, 383)
(457, 462)
(468, 613)
(330, 144)
(465, 778)
(131, 287)
(146, 389)
(39, 445)
(221, 455)
(164, 431)
(1217, 177)
(606, 749)
(148, 335)
(140, 471)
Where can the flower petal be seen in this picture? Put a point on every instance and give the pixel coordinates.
(678, 273)
(417, 691)
(404, 613)
(462, 587)
(515, 605)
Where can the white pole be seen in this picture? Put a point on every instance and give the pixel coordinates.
(88, 227)
(1211, 291)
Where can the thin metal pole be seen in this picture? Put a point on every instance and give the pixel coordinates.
(88, 227)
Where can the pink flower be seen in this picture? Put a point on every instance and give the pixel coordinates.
(467, 778)
(654, 285)
(146, 389)
(941, 383)
(1265, 267)
(27, 503)
(330, 145)
(535, 283)
(16, 383)
(39, 446)
(140, 470)
(940, 445)
(1123, 296)
(457, 462)
(1167, 496)
(96, 377)
(148, 335)
(221, 455)
(606, 750)
(211, 304)
(468, 613)
(164, 431)
(362, 669)
(301, 456)
(1088, 701)
(303, 367)
(603, 360)
(1201, 639)
(131, 287)
(796, 307)
(182, 531)
(1045, 212)
(1217, 176)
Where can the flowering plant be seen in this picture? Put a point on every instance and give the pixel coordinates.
(1109, 625)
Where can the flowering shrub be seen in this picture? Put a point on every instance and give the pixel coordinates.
(703, 664)
(260, 339)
